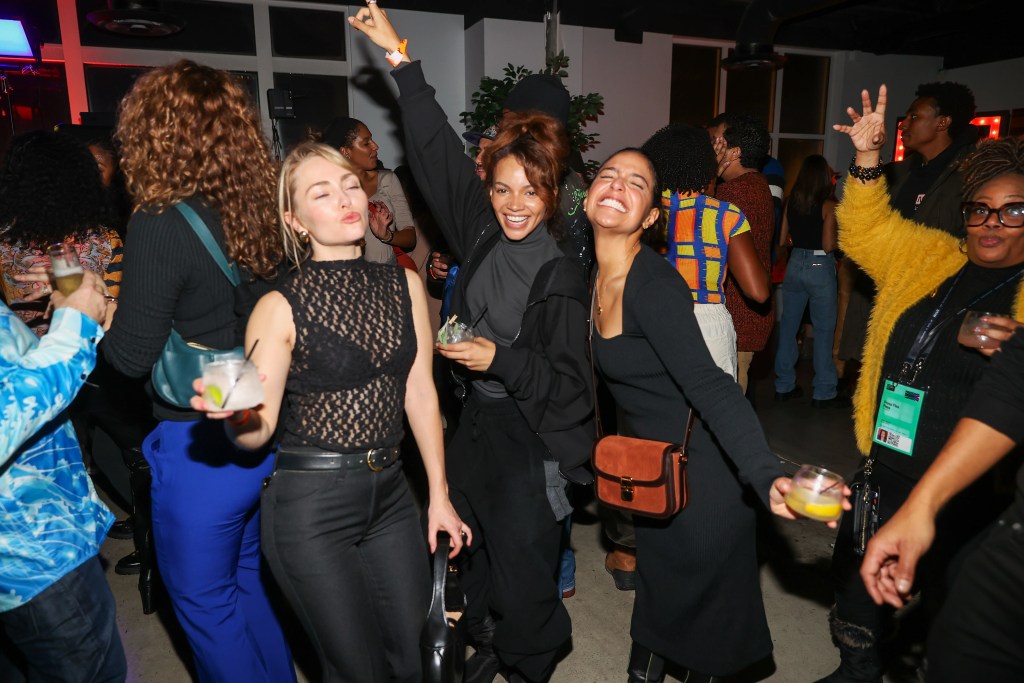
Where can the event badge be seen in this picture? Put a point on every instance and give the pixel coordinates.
(898, 414)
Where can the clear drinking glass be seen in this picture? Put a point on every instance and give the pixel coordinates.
(67, 270)
(974, 331)
(453, 332)
(232, 384)
(817, 493)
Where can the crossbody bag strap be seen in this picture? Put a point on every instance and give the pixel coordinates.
(593, 376)
(206, 237)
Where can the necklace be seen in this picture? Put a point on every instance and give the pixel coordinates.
(597, 284)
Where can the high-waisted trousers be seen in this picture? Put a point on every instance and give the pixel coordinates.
(206, 531)
(496, 480)
(348, 551)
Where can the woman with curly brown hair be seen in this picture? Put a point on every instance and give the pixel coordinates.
(189, 135)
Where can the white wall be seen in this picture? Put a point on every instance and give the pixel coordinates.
(861, 70)
(436, 39)
(996, 86)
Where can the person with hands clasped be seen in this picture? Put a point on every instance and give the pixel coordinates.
(347, 343)
(526, 427)
(916, 378)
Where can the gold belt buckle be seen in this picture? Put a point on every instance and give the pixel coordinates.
(369, 460)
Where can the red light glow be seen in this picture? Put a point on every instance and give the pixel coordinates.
(990, 124)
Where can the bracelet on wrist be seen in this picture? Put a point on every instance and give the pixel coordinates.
(239, 421)
(865, 174)
(395, 58)
(390, 239)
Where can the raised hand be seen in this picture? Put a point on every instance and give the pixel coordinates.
(373, 22)
(868, 130)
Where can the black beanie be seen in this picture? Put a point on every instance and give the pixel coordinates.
(540, 92)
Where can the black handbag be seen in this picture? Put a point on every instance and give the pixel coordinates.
(443, 640)
(181, 362)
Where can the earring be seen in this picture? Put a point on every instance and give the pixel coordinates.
(303, 238)
(963, 246)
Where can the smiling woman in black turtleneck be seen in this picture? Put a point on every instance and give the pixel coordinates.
(527, 416)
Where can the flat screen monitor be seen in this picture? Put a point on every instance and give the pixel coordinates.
(13, 40)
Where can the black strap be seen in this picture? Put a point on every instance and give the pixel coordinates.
(928, 334)
(593, 377)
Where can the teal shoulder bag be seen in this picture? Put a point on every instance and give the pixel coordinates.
(181, 362)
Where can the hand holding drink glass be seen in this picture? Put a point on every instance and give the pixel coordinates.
(231, 385)
(977, 333)
(817, 493)
(66, 268)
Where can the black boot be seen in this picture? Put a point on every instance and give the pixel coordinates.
(484, 665)
(645, 666)
(860, 660)
(129, 565)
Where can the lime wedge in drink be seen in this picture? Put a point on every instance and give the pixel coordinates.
(214, 395)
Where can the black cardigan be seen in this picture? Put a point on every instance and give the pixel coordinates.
(546, 369)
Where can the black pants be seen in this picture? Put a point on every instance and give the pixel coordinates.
(857, 622)
(496, 477)
(979, 635)
(347, 549)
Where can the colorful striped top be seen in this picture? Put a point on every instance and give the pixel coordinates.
(699, 231)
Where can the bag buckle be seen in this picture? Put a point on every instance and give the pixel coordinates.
(371, 463)
(626, 488)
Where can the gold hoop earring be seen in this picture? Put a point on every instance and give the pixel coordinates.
(963, 246)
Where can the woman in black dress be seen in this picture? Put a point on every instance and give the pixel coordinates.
(698, 598)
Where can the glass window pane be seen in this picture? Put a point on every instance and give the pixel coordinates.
(803, 107)
(751, 92)
(307, 33)
(219, 27)
(694, 94)
(792, 154)
(317, 100)
(105, 86)
(37, 102)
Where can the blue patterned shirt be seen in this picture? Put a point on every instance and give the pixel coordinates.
(51, 520)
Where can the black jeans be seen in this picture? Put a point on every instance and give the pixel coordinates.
(347, 549)
(69, 631)
(979, 635)
(497, 484)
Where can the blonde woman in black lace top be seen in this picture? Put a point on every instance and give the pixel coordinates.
(347, 344)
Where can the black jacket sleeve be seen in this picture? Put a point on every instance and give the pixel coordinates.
(998, 397)
(443, 172)
(550, 379)
(663, 309)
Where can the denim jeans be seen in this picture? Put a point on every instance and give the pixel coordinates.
(810, 281)
(69, 631)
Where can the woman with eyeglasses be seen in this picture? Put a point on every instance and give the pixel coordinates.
(916, 378)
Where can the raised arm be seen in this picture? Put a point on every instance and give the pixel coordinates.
(437, 158)
(39, 380)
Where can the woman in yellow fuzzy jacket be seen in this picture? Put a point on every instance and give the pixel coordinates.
(916, 377)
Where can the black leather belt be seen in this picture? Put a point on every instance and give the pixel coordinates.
(304, 458)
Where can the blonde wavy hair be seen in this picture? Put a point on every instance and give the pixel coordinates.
(296, 249)
(188, 129)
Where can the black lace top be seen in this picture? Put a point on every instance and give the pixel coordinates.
(354, 346)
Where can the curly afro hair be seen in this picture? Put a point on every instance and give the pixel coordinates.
(50, 189)
(683, 157)
(747, 133)
(994, 158)
(954, 100)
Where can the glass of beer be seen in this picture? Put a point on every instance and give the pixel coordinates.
(67, 270)
(816, 493)
(974, 331)
(232, 384)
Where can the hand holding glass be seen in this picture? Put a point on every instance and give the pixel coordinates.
(973, 331)
(232, 385)
(67, 270)
(816, 493)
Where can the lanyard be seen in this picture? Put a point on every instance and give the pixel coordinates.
(926, 337)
